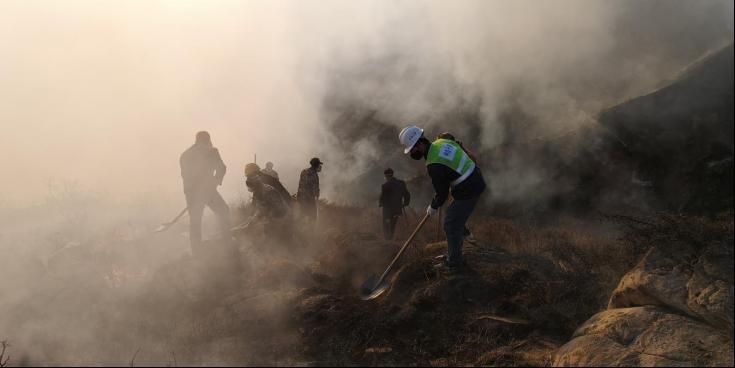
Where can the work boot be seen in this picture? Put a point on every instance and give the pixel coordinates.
(446, 266)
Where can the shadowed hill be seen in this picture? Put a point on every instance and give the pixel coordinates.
(680, 138)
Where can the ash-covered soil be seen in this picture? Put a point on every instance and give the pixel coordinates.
(255, 302)
(503, 309)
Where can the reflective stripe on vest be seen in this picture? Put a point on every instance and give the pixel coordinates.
(449, 153)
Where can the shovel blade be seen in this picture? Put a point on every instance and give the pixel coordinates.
(371, 290)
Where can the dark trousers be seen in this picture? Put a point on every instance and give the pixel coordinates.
(389, 224)
(196, 203)
(455, 219)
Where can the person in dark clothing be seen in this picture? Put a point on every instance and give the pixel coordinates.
(202, 171)
(269, 170)
(393, 197)
(308, 192)
(252, 170)
(450, 169)
(270, 209)
(446, 135)
(269, 203)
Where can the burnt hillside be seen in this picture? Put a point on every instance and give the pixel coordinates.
(681, 137)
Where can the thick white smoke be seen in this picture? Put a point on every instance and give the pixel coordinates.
(108, 94)
(99, 98)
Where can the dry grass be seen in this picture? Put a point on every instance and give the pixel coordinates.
(605, 257)
(4, 358)
(554, 277)
(666, 230)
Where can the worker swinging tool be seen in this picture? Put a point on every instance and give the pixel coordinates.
(452, 170)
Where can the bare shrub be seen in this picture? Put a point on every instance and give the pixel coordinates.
(4, 358)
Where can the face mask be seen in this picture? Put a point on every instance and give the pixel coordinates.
(416, 155)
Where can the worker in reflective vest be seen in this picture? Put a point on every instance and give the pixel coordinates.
(450, 169)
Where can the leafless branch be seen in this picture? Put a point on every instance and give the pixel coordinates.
(132, 361)
(3, 358)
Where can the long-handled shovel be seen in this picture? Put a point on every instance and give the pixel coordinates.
(167, 225)
(373, 288)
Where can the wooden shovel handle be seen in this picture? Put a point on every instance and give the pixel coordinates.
(179, 215)
(403, 248)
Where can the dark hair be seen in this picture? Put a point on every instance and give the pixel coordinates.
(388, 171)
(423, 139)
(202, 137)
(446, 135)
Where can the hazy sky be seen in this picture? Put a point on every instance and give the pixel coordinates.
(109, 93)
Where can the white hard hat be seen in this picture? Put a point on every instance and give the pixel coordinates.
(409, 136)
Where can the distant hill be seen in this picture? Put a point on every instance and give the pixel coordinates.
(680, 137)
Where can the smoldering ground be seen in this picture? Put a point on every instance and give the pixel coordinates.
(104, 290)
(108, 95)
(94, 289)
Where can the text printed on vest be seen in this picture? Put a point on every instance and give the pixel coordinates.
(447, 152)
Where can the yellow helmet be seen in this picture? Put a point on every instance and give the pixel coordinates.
(251, 169)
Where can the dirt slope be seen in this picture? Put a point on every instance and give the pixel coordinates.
(504, 309)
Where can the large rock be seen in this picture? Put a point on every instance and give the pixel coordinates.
(645, 336)
(695, 282)
(675, 308)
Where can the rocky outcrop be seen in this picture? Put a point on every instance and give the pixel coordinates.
(645, 336)
(675, 308)
(695, 283)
